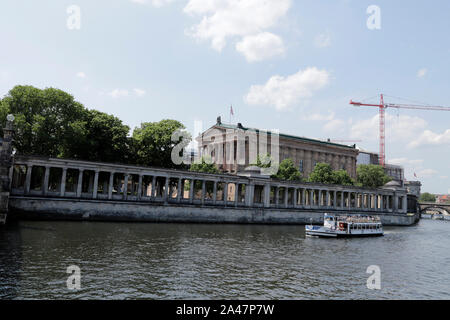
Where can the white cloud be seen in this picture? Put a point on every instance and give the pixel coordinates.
(425, 173)
(323, 40)
(261, 46)
(117, 93)
(400, 128)
(406, 162)
(222, 19)
(139, 92)
(81, 74)
(428, 137)
(334, 125)
(422, 72)
(318, 117)
(283, 92)
(155, 3)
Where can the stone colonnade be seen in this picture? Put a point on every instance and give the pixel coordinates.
(91, 180)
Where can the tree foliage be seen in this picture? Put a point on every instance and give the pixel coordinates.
(342, 177)
(46, 121)
(204, 165)
(49, 122)
(427, 197)
(372, 176)
(323, 173)
(152, 143)
(288, 171)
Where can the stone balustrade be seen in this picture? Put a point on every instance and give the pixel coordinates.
(62, 178)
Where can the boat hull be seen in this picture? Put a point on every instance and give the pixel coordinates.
(314, 231)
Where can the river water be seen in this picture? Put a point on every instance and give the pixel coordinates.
(200, 261)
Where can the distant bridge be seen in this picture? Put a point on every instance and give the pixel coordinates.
(429, 207)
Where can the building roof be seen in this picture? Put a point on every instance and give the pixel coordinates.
(232, 126)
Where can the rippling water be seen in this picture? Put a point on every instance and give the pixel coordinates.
(199, 261)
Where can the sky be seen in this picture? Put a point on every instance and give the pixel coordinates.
(282, 64)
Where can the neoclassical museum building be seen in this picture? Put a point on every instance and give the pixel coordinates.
(234, 147)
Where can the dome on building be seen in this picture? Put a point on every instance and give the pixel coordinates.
(393, 184)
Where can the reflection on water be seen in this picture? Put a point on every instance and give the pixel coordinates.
(199, 261)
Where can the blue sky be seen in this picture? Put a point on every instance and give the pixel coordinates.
(282, 64)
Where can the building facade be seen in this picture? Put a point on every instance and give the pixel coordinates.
(396, 172)
(233, 148)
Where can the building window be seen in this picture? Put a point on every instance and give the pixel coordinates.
(300, 166)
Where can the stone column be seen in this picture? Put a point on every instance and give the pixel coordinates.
(94, 193)
(166, 190)
(111, 183)
(28, 178)
(335, 200)
(342, 199)
(276, 195)
(80, 182)
(395, 202)
(125, 186)
(139, 193)
(153, 194)
(215, 192)
(203, 191)
(311, 197)
(46, 177)
(62, 189)
(320, 198)
(405, 204)
(267, 195)
(249, 194)
(294, 200)
(236, 193)
(191, 190)
(286, 196)
(179, 190)
(225, 193)
(303, 202)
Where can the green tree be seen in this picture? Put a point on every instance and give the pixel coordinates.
(288, 171)
(372, 176)
(322, 173)
(50, 122)
(427, 197)
(342, 177)
(152, 143)
(204, 165)
(101, 137)
(46, 121)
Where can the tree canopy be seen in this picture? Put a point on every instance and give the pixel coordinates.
(372, 176)
(152, 142)
(323, 173)
(204, 165)
(427, 197)
(288, 171)
(49, 122)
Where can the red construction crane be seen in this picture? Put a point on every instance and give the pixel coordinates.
(382, 107)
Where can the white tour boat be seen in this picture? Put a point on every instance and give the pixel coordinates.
(346, 226)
